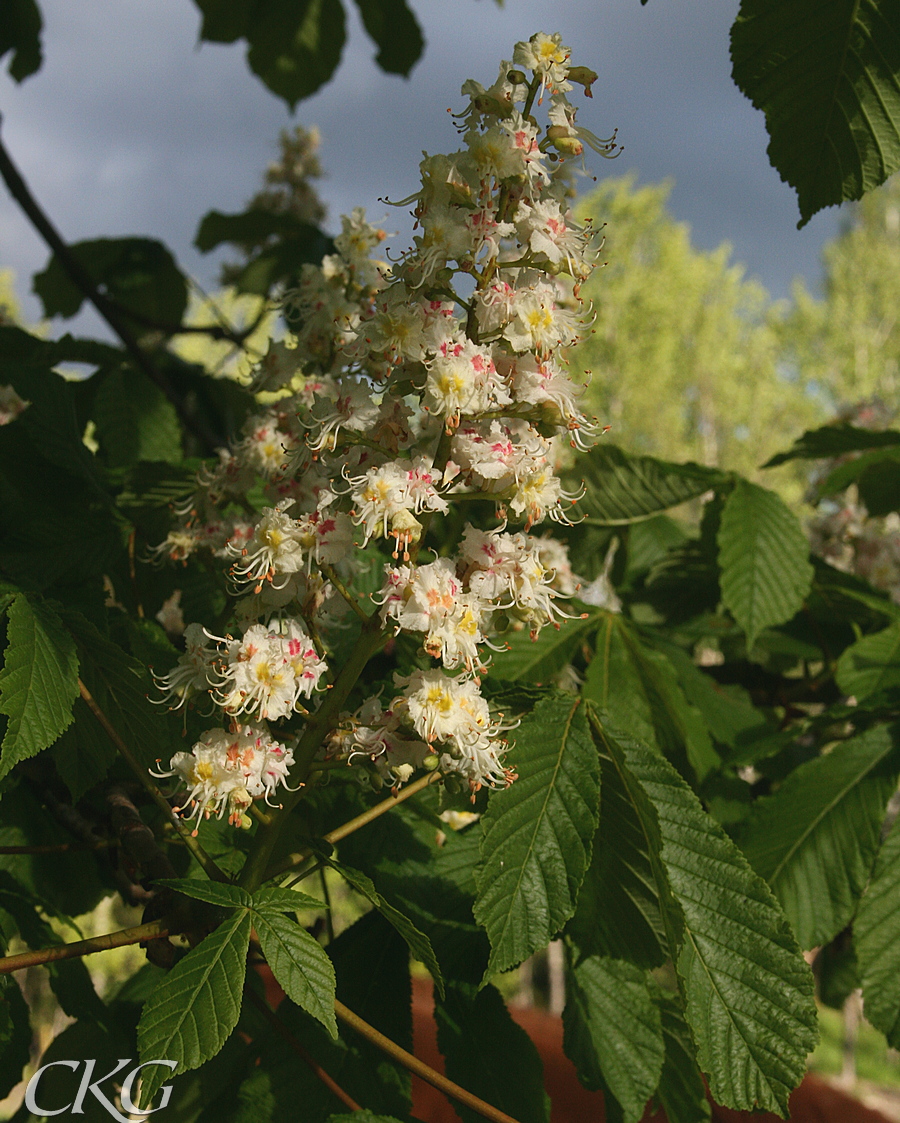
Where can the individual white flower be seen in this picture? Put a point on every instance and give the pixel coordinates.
(510, 571)
(462, 379)
(451, 714)
(352, 407)
(276, 549)
(539, 324)
(430, 599)
(268, 671)
(266, 446)
(227, 770)
(547, 56)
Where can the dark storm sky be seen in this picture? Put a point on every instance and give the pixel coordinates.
(131, 127)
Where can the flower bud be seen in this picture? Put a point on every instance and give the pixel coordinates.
(583, 76)
(518, 78)
(431, 762)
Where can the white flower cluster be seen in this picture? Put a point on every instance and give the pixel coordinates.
(228, 770)
(401, 393)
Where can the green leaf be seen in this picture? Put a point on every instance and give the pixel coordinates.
(219, 893)
(294, 47)
(74, 990)
(139, 274)
(834, 440)
(15, 1034)
(84, 754)
(299, 963)
(865, 471)
(20, 32)
(371, 962)
(537, 835)
(473, 1025)
(612, 1032)
(122, 688)
(624, 489)
(639, 689)
(417, 941)
(618, 914)
(38, 683)
(748, 992)
(728, 711)
(763, 557)
(191, 1014)
(871, 664)
(538, 660)
(876, 937)
(135, 420)
(224, 21)
(396, 33)
(815, 839)
(825, 75)
(681, 1091)
(285, 900)
(253, 226)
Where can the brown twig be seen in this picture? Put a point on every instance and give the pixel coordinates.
(282, 1030)
(60, 847)
(108, 309)
(291, 861)
(154, 930)
(413, 1064)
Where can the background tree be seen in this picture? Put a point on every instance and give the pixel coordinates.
(684, 359)
(847, 343)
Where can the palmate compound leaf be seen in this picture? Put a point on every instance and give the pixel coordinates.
(536, 842)
(747, 991)
(38, 683)
(763, 558)
(191, 1014)
(825, 73)
(613, 1032)
(876, 938)
(815, 839)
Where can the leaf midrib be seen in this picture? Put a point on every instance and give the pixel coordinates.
(539, 819)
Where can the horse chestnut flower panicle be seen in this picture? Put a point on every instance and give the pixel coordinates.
(402, 398)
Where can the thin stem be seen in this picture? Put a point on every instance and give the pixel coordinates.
(61, 847)
(297, 859)
(209, 867)
(329, 572)
(282, 1030)
(329, 919)
(107, 308)
(154, 930)
(413, 1064)
(319, 724)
